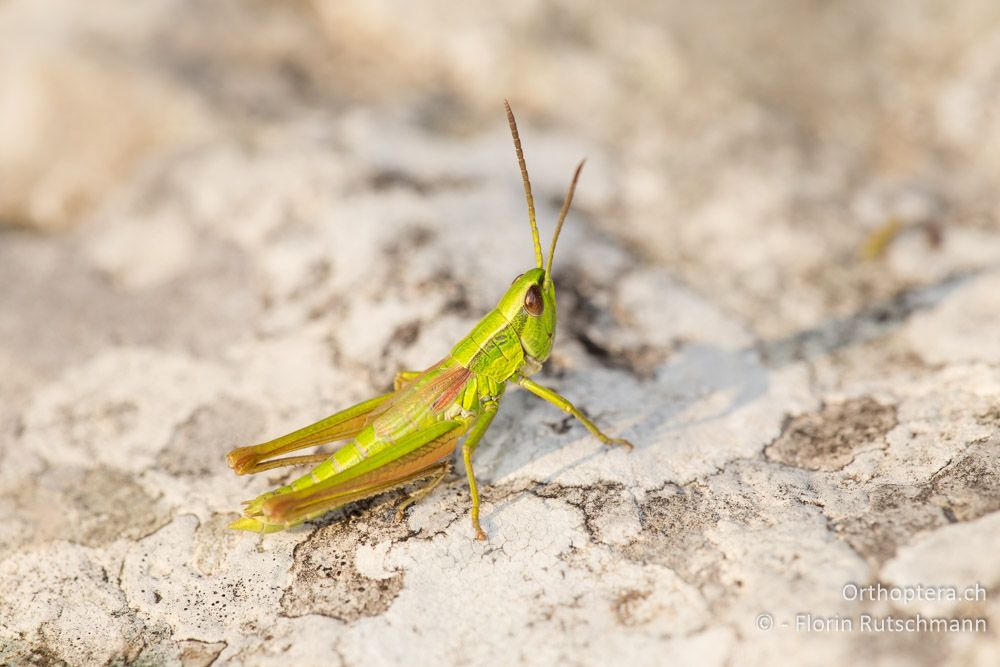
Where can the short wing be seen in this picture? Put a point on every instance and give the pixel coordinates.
(423, 401)
(412, 410)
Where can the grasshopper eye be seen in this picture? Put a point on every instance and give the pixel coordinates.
(533, 302)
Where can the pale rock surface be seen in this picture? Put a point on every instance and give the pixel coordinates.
(268, 209)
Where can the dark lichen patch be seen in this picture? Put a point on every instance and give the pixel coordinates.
(113, 506)
(148, 645)
(443, 283)
(388, 179)
(405, 243)
(627, 607)
(830, 439)
(675, 523)
(562, 426)
(990, 417)
(201, 442)
(194, 653)
(316, 277)
(88, 507)
(639, 360)
(966, 489)
(896, 514)
(325, 577)
(585, 310)
(880, 312)
(118, 417)
(963, 491)
(404, 335)
(40, 654)
(969, 487)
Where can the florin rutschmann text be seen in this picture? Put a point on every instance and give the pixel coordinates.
(885, 614)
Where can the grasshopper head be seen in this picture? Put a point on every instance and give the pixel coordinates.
(530, 303)
(530, 306)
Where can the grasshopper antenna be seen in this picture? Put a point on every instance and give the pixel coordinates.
(527, 184)
(562, 218)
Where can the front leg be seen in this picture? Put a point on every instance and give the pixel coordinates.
(564, 404)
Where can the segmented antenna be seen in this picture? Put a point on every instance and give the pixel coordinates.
(527, 184)
(562, 217)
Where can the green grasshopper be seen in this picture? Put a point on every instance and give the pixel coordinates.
(409, 434)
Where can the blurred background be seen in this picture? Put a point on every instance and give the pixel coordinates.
(299, 197)
(752, 147)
